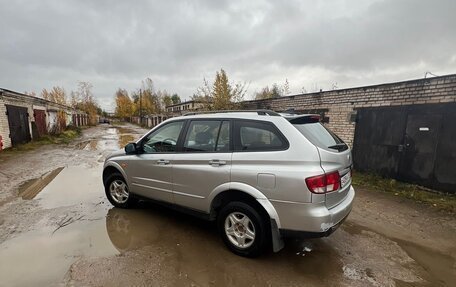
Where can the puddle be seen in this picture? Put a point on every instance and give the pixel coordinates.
(125, 139)
(113, 139)
(74, 185)
(29, 189)
(82, 145)
(198, 254)
(440, 269)
(80, 224)
(42, 256)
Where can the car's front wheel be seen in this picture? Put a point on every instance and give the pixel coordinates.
(242, 229)
(117, 191)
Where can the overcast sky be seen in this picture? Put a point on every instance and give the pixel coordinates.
(313, 44)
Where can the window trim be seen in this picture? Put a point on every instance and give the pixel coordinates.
(237, 136)
(181, 142)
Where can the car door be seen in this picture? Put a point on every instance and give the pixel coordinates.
(150, 172)
(203, 164)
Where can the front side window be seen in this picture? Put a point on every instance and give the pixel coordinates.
(207, 136)
(259, 136)
(164, 139)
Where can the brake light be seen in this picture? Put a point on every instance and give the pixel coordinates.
(324, 183)
(332, 181)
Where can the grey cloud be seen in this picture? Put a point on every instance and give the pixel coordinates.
(177, 43)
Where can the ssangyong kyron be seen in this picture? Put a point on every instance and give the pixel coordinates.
(261, 175)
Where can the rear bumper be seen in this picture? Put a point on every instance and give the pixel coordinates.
(310, 219)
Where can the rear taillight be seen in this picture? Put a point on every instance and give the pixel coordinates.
(324, 183)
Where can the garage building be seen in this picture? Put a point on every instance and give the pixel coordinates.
(24, 117)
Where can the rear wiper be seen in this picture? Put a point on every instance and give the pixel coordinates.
(339, 146)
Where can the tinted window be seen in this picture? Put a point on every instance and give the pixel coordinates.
(259, 136)
(206, 136)
(320, 136)
(164, 139)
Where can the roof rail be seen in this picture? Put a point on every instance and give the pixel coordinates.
(259, 112)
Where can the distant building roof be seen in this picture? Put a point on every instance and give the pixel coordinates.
(184, 103)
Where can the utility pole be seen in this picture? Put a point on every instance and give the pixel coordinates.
(140, 107)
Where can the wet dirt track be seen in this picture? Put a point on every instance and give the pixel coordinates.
(57, 229)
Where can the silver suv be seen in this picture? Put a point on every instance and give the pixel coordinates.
(261, 175)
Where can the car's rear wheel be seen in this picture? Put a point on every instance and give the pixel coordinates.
(242, 229)
(117, 191)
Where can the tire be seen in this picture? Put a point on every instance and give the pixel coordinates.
(120, 197)
(242, 229)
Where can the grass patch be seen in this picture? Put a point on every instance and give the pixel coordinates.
(436, 199)
(63, 138)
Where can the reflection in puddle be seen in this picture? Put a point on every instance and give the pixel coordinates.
(114, 138)
(194, 247)
(74, 185)
(73, 226)
(39, 258)
(29, 189)
(42, 256)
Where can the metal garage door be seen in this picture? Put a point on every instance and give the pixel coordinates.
(18, 124)
(410, 143)
(40, 121)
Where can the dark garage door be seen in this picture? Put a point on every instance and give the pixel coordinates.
(18, 124)
(410, 143)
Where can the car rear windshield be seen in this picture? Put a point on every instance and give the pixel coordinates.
(318, 134)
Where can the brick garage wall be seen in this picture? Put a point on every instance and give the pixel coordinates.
(341, 104)
(17, 99)
(4, 124)
(4, 128)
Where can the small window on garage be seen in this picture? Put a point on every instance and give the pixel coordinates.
(258, 136)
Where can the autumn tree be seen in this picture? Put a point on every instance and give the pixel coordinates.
(58, 95)
(124, 105)
(276, 91)
(84, 100)
(167, 100)
(221, 95)
(204, 95)
(46, 95)
(265, 93)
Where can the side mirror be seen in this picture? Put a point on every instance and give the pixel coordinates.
(130, 148)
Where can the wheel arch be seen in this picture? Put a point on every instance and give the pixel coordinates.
(111, 168)
(244, 192)
(249, 194)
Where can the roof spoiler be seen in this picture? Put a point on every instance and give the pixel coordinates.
(302, 119)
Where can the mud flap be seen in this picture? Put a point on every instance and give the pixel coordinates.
(277, 241)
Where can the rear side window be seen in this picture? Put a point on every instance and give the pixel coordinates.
(207, 136)
(319, 135)
(258, 136)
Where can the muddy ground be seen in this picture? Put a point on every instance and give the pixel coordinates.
(57, 229)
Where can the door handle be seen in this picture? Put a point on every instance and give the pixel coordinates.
(216, 162)
(163, 161)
